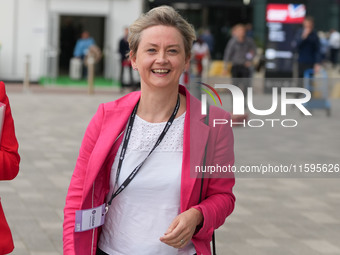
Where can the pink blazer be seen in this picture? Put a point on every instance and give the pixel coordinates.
(90, 181)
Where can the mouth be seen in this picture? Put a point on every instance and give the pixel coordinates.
(160, 71)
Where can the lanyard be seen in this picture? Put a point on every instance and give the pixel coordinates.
(125, 144)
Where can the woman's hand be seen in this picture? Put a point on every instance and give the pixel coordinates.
(182, 228)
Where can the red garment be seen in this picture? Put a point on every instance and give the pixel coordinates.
(9, 167)
(199, 58)
(126, 63)
(90, 181)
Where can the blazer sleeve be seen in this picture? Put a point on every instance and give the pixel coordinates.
(218, 200)
(9, 156)
(75, 191)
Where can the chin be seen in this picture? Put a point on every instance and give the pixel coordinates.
(162, 84)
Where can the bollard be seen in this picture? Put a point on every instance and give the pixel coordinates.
(90, 75)
(26, 84)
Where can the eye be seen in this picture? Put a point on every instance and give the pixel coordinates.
(151, 50)
(173, 51)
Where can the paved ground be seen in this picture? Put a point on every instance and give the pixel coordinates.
(298, 216)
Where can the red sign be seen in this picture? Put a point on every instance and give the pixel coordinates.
(286, 13)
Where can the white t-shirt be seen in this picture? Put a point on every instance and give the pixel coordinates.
(334, 40)
(200, 49)
(143, 211)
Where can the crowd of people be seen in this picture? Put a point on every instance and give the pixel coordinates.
(313, 49)
(327, 49)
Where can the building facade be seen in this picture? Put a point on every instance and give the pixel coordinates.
(45, 31)
(42, 31)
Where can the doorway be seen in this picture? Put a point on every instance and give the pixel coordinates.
(70, 29)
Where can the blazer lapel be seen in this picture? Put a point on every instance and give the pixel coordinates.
(114, 122)
(195, 138)
(196, 134)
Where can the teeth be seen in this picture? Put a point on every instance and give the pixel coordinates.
(160, 71)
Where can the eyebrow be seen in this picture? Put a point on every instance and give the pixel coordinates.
(169, 46)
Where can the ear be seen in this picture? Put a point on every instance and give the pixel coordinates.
(187, 63)
(133, 60)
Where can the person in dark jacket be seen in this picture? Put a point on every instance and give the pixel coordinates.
(125, 62)
(308, 48)
(239, 53)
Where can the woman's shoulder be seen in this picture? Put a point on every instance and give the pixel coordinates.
(122, 102)
(219, 112)
(214, 111)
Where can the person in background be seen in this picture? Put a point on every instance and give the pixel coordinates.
(151, 140)
(9, 166)
(324, 46)
(249, 30)
(125, 62)
(81, 49)
(239, 53)
(83, 44)
(334, 44)
(200, 50)
(307, 44)
(209, 39)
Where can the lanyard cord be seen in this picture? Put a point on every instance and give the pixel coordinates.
(125, 144)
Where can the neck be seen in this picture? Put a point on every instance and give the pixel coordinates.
(157, 106)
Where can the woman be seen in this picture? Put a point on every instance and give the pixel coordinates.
(158, 212)
(9, 165)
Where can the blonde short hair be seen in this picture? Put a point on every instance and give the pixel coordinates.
(166, 16)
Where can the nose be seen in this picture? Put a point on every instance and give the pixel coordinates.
(161, 58)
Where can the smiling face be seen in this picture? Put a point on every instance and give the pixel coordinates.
(160, 57)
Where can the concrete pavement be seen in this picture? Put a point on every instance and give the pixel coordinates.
(297, 216)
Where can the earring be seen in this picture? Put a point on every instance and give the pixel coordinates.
(135, 68)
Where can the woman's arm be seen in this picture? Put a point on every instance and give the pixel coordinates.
(218, 200)
(75, 191)
(9, 157)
